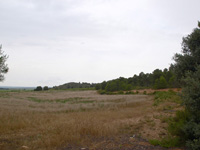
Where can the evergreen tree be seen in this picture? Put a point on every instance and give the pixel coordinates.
(160, 83)
(191, 99)
(187, 68)
(190, 56)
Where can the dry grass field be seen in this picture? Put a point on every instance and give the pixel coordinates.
(61, 120)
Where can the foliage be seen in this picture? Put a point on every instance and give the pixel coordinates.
(166, 142)
(185, 129)
(162, 96)
(190, 56)
(157, 79)
(176, 124)
(173, 82)
(74, 85)
(3, 65)
(46, 88)
(38, 88)
(98, 86)
(160, 83)
(187, 67)
(191, 99)
(191, 93)
(117, 85)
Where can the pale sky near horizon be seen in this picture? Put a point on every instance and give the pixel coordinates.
(52, 42)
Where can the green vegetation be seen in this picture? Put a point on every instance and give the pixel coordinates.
(38, 88)
(158, 79)
(190, 128)
(166, 142)
(176, 124)
(163, 96)
(186, 124)
(46, 88)
(74, 85)
(176, 136)
(78, 89)
(190, 56)
(3, 65)
(160, 83)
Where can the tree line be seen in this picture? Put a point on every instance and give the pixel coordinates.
(74, 85)
(158, 79)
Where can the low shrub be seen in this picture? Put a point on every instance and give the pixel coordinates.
(46, 88)
(102, 92)
(38, 88)
(166, 142)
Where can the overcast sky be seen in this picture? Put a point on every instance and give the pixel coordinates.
(52, 42)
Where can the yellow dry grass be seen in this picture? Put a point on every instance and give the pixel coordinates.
(55, 119)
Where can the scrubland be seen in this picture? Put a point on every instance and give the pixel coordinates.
(75, 119)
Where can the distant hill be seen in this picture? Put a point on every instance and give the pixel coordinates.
(15, 88)
(73, 85)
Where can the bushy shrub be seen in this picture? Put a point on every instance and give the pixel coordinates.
(166, 142)
(38, 88)
(187, 69)
(98, 87)
(120, 92)
(45, 88)
(191, 99)
(102, 92)
(191, 93)
(186, 123)
(177, 124)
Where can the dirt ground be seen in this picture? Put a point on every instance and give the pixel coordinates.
(63, 120)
